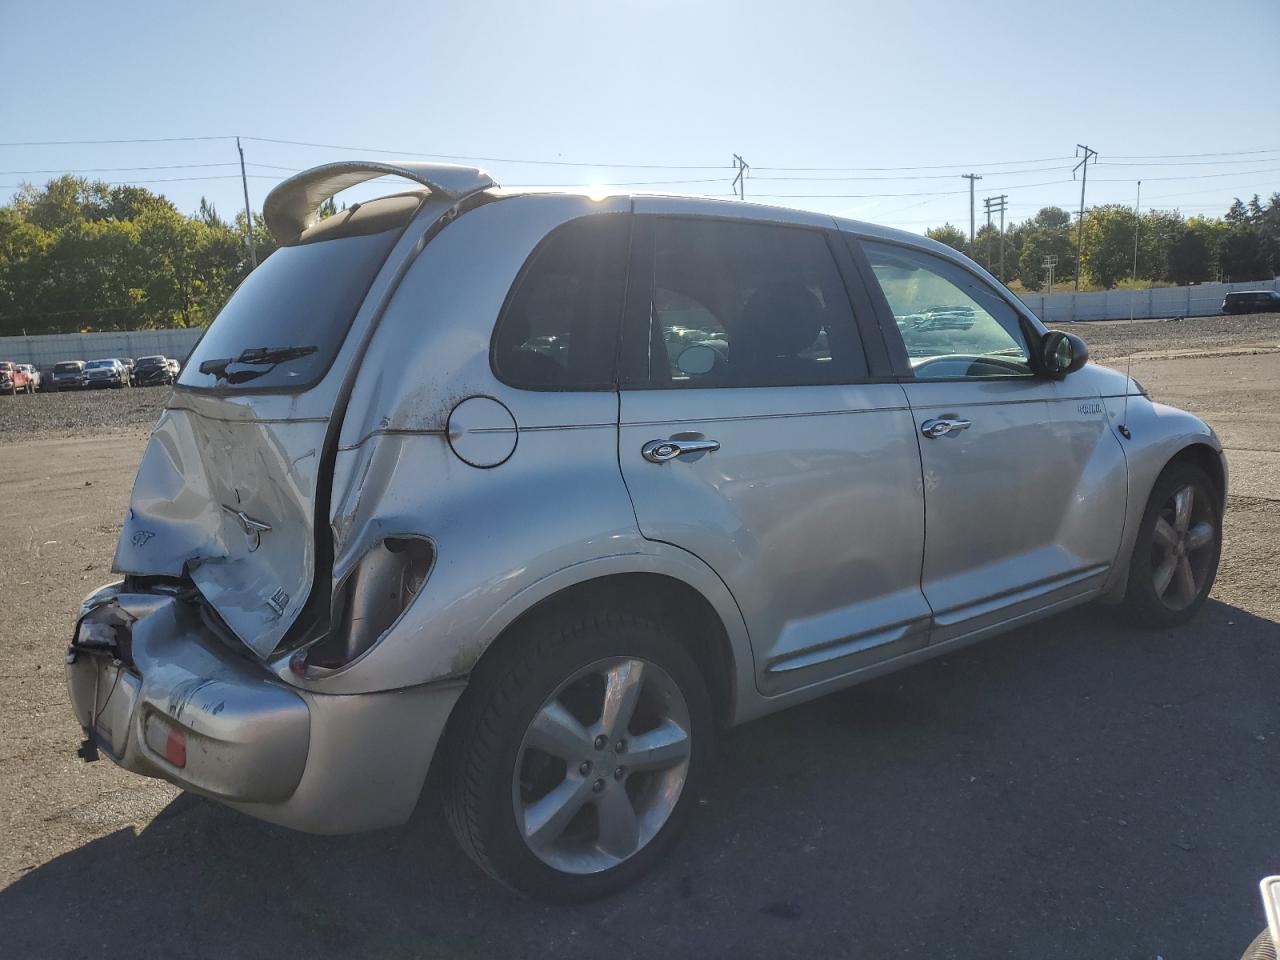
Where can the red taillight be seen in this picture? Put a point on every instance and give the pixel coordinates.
(175, 748)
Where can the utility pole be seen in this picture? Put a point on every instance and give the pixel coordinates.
(987, 203)
(1137, 225)
(740, 178)
(996, 205)
(248, 211)
(1083, 166)
(1004, 202)
(1049, 261)
(971, 177)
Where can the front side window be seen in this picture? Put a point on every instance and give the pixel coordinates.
(748, 305)
(559, 329)
(952, 324)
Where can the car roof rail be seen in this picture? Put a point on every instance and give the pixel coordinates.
(292, 206)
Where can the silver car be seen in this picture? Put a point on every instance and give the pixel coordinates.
(547, 488)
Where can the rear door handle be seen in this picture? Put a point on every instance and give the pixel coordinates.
(663, 451)
(944, 427)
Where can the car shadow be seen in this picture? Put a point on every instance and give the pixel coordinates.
(1076, 788)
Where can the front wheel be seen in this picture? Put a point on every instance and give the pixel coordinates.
(577, 753)
(1175, 559)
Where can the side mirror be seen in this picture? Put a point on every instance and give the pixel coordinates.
(1062, 353)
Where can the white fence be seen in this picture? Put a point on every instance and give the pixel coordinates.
(1202, 300)
(45, 351)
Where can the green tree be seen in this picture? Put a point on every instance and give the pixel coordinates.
(1108, 243)
(1238, 213)
(1242, 256)
(1048, 233)
(1190, 258)
(952, 236)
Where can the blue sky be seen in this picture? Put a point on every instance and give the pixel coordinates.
(1005, 89)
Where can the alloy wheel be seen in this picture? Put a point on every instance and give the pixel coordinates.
(602, 765)
(1182, 547)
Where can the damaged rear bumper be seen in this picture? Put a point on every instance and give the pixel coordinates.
(163, 697)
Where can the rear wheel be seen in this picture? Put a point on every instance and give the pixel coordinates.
(1175, 559)
(576, 756)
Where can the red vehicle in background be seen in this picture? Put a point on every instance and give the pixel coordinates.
(13, 379)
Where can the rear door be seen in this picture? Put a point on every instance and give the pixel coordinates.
(754, 435)
(1024, 480)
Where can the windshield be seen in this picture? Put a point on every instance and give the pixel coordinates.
(99, 364)
(67, 368)
(151, 362)
(306, 294)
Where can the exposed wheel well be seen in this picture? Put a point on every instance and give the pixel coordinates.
(1206, 458)
(674, 604)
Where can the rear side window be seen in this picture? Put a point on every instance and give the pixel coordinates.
(740, 304)
(559, 328)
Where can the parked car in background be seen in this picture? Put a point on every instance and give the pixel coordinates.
(153, 372)
(69, 375)
(34, 375)
(128, 366)
(106, 373)
(1251, 301)
(14, 379)
(175, 366)
(660, 538)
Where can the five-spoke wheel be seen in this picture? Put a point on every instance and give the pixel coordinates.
(1179, 541)
(602, 765)
(575, 753)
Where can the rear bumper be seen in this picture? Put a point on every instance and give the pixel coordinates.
(144, 669)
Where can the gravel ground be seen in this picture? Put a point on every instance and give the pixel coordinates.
(1112, 341)
(80, 413)
(1074, 789)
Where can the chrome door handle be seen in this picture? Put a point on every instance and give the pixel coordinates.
(662, 451)
(944, 426)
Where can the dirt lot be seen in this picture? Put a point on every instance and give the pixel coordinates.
(1074, 789)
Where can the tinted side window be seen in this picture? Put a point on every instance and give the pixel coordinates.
(559, 329)
(952, 324)
(744, 304)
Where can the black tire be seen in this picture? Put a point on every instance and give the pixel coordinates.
(1142, 604)
(484, 741)
(1261, 949)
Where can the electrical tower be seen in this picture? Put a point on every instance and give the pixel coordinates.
(971, 177)
(1049, 261)
(740, 178)
(1083, 167)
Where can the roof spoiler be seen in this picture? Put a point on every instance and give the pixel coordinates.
(291, 207)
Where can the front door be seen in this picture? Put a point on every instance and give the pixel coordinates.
(1024, 481)
(750, 437)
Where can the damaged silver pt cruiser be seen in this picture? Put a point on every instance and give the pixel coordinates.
(547, 488)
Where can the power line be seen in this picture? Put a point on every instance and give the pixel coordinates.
(926, 176)
(167, 166)
(1177, 156)
(1195, 176)
(74, 143)
(449, 156)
